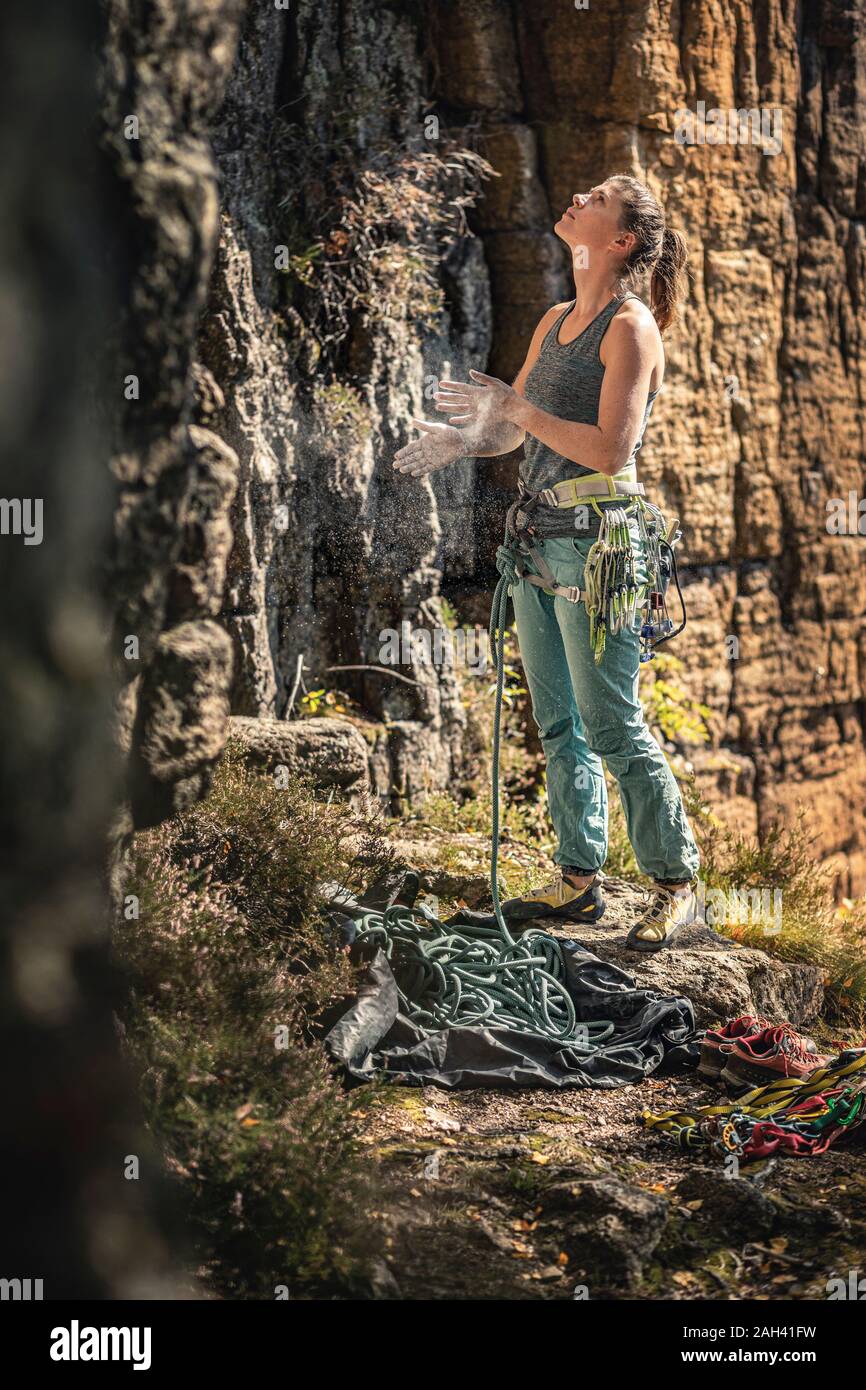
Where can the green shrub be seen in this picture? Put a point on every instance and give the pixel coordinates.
(370, 214)
(669, 709)
(813, 929)
(228, 966)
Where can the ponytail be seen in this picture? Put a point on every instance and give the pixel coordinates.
(658, 250)
(667, 278)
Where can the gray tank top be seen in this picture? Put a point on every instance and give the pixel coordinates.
(566, 380)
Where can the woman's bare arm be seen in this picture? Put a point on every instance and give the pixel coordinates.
(475, 429)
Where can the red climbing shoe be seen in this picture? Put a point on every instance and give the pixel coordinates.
(767, 1056)
(717, 1043)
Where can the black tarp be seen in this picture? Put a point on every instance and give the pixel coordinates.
(373, 1038)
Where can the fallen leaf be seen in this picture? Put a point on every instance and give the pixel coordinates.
(538, 1158)
(243, 1111)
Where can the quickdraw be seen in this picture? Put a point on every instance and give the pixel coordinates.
(612, 594)
(610, 574)
(798, 1116)
(659, 539)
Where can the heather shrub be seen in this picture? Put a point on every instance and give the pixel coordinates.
(229, 965)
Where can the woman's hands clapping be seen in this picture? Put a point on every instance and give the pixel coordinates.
(477, 412)
(485, 401)
(438, 446)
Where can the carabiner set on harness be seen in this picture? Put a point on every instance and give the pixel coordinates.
(659, 541)
(610, 577)
(612, 594)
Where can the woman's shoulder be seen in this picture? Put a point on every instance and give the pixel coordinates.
(633, 311)
(555, 312)
(635, 320)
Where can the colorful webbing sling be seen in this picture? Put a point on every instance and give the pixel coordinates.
(799, 1116)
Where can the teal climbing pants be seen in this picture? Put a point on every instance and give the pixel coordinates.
(586, 713)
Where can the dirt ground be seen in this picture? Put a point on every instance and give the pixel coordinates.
(558, 1195)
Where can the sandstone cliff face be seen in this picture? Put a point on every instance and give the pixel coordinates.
(761, 420)
(759, 424)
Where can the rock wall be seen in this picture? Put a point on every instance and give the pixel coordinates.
(761, 419)
(69, 1111)
(164, 74)
(331, 548)
(759, 424)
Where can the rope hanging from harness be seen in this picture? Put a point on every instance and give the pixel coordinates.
(799, 1116)
(469, 975)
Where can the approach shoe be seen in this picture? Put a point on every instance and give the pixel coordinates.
(717, 1043)
(668, 911)
(558, 898)
(769, 1055)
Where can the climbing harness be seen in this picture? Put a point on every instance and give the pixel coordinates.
(612, 594)
(800, 1116)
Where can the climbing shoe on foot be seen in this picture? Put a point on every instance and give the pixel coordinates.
(557, 899)
(669, 909)
(766, 1056)
(717, 1043)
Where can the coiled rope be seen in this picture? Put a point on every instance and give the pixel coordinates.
(468, 975)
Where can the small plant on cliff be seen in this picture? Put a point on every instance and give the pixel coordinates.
(669, 707)
(229, 967)
(341, 410)
(370, 213)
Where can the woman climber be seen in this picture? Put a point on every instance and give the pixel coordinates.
(583, 554)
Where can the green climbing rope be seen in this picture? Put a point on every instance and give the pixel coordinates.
(471, 975)
(466, 977)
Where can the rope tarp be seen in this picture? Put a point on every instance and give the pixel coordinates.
(461, 977)
(416, 1025)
